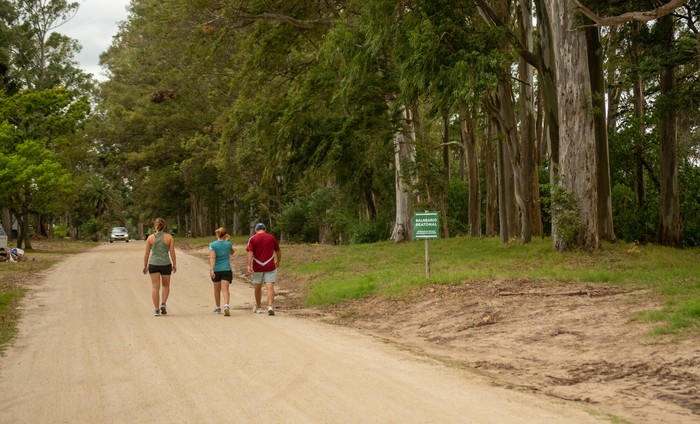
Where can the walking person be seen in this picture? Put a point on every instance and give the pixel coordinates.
(220, 252)
(264, 256)
(160, 262)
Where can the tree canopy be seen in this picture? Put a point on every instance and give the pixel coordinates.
(333, 121)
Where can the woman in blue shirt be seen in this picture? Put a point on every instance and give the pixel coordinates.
(220, 252)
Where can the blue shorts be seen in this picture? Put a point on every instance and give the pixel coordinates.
(160, 269)
(222, 276)
(265, 277)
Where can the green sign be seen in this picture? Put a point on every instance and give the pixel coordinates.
(426, 225)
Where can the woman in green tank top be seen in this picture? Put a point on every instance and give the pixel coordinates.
(159, 261)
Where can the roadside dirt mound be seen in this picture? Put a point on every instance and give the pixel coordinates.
(576, 342)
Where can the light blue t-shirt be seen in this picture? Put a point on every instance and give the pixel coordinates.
(223, 249)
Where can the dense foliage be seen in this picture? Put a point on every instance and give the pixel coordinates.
(227, 113)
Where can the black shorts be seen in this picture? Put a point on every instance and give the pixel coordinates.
(222, 276)
(160, 269)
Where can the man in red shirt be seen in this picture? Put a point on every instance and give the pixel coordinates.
(264, 257)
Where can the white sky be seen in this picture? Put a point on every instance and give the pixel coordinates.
(94, 26)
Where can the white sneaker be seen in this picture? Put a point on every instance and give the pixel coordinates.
(227, 311)
(256, 310)
(270, 310)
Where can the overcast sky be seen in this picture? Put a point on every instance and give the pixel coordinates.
(94, 26)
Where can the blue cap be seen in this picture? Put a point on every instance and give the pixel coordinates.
(259, 226)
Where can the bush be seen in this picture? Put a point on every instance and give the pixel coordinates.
(369, 231)
(630, 222)
(458, 207)
(564, 212)
(61, 231)
(304, 219)
(92, 229)
(690, 207)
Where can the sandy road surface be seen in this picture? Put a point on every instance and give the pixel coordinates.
(90, 351)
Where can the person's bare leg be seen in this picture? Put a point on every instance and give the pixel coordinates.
(258, 294)
(226, 292)
(155, 289)
(217, 294)
(165, 289)
(270, 293)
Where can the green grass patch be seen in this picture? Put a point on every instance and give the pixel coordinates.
(389, 270)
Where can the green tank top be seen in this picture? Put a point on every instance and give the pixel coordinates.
(159, 251)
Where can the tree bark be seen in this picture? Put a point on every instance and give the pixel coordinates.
(404, 150)
(548, 89)
(528, 133)
(468, 136)
(669, 215)
(577, 154)
(507, 208)
(638, 98)
(490, 171)
(595, 67)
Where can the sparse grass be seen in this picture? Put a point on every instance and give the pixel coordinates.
(8, 314)
(385, 269)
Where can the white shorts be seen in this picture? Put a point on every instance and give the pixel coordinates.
(267, 277)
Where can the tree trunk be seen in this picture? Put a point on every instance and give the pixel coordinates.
(595, 66)
(446, 173)
(507, 208)
(528, 133)
(196, 215)
(404, 150)
(669, 215)
(577, 149)
(549, 92)
(502, 106)
(23, 236)
(490, 171)
(6, 221)
(468, 136)
(640, 183)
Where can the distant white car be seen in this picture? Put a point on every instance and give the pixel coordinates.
(119, 234)
(3, 238)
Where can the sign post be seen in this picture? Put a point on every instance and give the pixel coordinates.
(426, 226)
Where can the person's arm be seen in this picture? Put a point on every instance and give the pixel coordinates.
(172, 253)
(279, 258)
(146, 255)
(212, 260)
(250, 262)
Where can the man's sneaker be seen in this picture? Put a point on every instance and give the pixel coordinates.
(217, 310)
(156, 313)
(270, 311)
(227, 311)
(256, 309)
(163, 311)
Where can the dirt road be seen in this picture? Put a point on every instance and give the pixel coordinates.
(90, 351)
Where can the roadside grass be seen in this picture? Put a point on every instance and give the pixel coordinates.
(389, 270)
(9, 297)
(13, 276)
